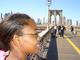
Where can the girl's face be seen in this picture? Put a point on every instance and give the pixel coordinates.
(29, 40)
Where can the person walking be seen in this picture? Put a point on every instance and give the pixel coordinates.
(72, 29)
(59, 30)
(62, 31)
(54, 30)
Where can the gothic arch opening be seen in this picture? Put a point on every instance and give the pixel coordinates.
(52, 19)
(57, 19)
(55, 16)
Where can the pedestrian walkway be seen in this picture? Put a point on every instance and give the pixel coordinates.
(60, 49)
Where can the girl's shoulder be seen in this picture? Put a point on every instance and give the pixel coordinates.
(3, 54)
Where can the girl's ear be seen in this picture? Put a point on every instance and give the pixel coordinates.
(15, 41)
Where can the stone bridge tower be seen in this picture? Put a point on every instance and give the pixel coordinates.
(55, 13)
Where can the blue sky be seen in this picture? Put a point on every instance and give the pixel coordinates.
(38, 8)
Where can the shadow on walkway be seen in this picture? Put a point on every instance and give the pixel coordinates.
(52, 51)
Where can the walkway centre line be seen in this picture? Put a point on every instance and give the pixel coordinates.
(72, 44)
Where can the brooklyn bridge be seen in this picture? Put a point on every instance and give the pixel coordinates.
(58, 48)
(58, 36)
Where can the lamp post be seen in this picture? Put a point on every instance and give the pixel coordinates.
(49, 4)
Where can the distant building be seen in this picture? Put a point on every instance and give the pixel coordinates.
(6, 15)
(77, 23)
(69, 22)
(64, 20)
(1, 18)
(43, 20)
(38, 21)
